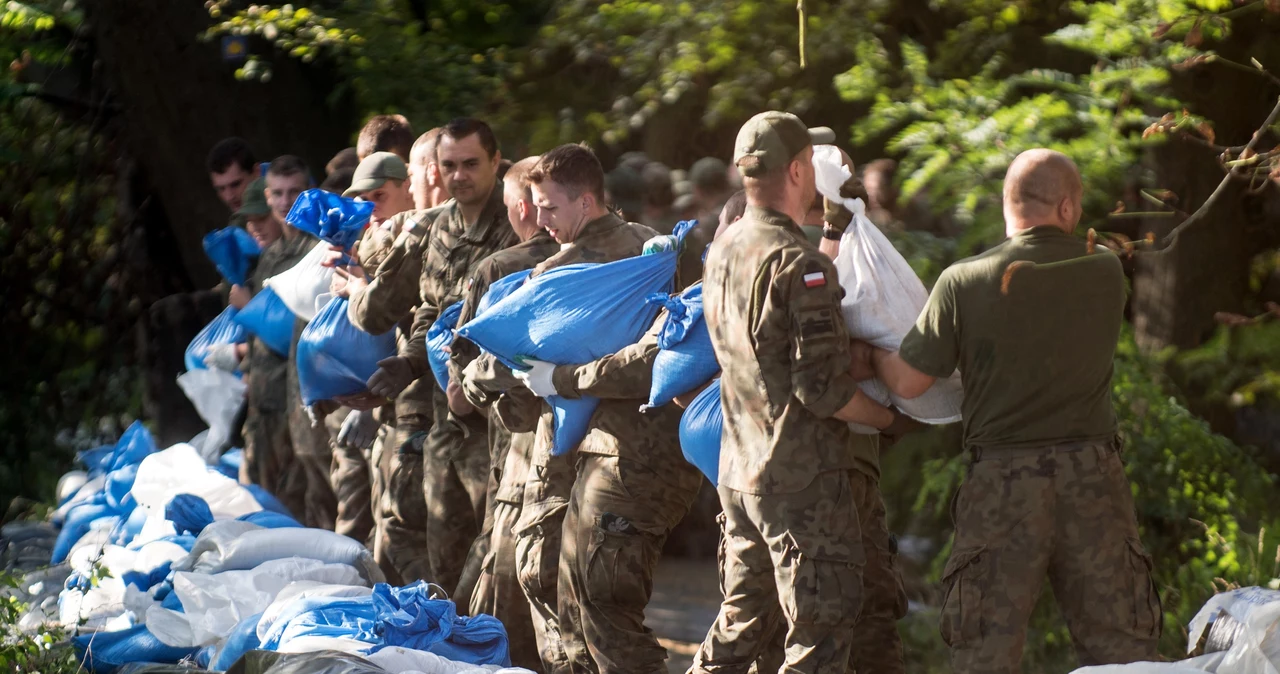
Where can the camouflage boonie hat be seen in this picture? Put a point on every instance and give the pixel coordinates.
(775, 138)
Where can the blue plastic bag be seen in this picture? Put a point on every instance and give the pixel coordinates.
(270, 520)
(352, 617)
(103, 652)
(576, 314)
(686, 359)
(410, 618)
(230, 461)
(335, 358)
(700, 429)
(330, 217)
(439, 336)
(221, 330)
(268, 317)
(190, 514)
(134, 445)
(232, 251)
(243, 638)
(479, 640)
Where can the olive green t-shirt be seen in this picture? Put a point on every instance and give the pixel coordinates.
(1036, 360)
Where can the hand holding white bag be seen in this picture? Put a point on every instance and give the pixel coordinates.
(300, 285)
(883, 297)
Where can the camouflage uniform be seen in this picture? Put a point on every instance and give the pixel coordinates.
(351, 479)
(549, 480)
(792, 531)
(633, 487)
(387, 304)
(490, 565)
(269, 454)
(1046, 493)
(312, 451)
(456, 451)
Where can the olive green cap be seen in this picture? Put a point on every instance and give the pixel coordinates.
(255, 200)
(775, 138)
(709, 173)
(376, 169)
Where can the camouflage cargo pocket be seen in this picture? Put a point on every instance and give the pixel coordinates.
(963, 578)
(1148, 621)
(619, 568)
(825, 587)
(538, 553)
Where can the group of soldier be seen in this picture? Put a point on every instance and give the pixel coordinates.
(458, 485)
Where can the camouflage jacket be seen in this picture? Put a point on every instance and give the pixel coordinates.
(268, 371)
(772, 304)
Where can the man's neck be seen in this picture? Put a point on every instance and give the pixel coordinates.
(471, 212)
(1013, 229)
(437, 196)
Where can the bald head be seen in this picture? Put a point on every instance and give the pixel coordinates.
(1042, 187)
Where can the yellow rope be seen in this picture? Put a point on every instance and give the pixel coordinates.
(800, 9)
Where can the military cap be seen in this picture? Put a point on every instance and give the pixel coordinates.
(774, 138)
(255, 200)
(375, 170)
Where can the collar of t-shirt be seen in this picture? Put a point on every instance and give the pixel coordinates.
(1040, 232)
(770, 216)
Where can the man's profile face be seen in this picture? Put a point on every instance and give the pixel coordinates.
(389, 199)
(467, 170)
(561, 213)
(231, 184)
(282, 191)
(419, 183)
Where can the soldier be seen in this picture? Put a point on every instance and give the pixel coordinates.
(424, 172)
(512, 422)
(232, 167)
(792, 540)
(385, 133)
(1032, 326)
(568, 186)
(455, 452)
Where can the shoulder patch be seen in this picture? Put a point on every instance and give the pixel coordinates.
(814, 276)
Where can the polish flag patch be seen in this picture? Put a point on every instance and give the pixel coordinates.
(815, 279)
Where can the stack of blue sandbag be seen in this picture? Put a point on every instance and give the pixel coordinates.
(170, 560)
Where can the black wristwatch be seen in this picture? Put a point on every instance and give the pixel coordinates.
(829, 232)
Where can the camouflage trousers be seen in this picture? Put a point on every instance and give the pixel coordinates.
(380, 465)
(498, 591)
(314, 456)
(405, 516)
(1065, 512)
(617, 521)
(876, 646)
(269, 459)
(793, 562)
(538, 537)
(350, 478)
(455, 474)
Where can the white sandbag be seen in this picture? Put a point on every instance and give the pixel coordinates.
(86, 491)
(181, 470)
(217, 396)
(1247, 620)
(315, 644)
(1142, 668)
(253, 548)
(96, 608)
(212, 542)
(400, 660)
(301, 284)
(70, 483)
(213, 604)
(153, 529)
(883, 297)
(304, 590)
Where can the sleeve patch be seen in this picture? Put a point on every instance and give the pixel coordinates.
(815, 279)
(816, 323)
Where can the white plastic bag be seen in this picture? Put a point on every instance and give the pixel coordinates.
(301, 284)
(401, 660)
(217, 397)
(213, 604)
(1253, 616)
(180, 470)
(253, 548)
(883, 297)
(70, 483)
(304, 590)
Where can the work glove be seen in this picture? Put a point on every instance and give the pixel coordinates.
(358, 430)
(834, 213)
(393, 376)
(538, 377)
(222, 357)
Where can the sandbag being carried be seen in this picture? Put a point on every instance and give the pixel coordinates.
(330, 217)
(686, 359)
(335, 358)
(300, 285)
(270, 319)
(217, 396)
(575, 314)
(223, 329)
(440, 337)
(700, 429)
(883, 298)
(232, 250)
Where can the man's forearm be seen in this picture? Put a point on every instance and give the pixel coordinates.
(904, 380)
(863, 410)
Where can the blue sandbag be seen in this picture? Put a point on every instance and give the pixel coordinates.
(189, 513)
(700, 428)
(335, 358)
(96, 460)
(103, 652)
(133, 446)
(232, 251)
(223, 329)
(128, 529)
(352, 617)
(410, 617)
(243, 638)
(149, 579)
(330, 217)
(79, 520)
(439, 336)
(498, 290)
(230, 462)
(269, 520)
(270, 319)
(478, 640)
(576, 314)
(686, 359)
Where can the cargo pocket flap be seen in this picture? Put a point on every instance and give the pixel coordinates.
(824, 548)
(961, 559)
(533, 517)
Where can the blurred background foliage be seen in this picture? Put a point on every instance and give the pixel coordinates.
(1148, 96)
